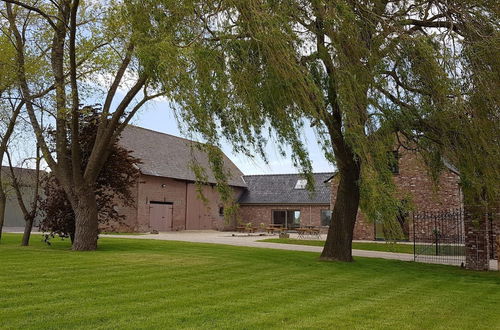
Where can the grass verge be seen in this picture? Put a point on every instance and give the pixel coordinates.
(384, 247)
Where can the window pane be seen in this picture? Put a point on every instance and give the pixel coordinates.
(326, 217)
(293, 219)
(301, 184)
(279, 217)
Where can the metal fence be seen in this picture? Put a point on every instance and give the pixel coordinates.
(439, 237)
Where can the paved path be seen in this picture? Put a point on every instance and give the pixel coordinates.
(238, 239)
(251, 240)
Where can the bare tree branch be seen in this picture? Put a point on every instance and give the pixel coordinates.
(34, 9)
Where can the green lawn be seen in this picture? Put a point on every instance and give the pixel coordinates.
(131, 283)
(422, 249)
(385, 247)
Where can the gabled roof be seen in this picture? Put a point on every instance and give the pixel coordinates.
(280, 189)
(169, 156)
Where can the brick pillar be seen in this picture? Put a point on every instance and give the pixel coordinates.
(495, 236)
(477, 245)
(498, 252)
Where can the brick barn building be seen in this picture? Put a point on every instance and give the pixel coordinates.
(166, 197)
(165, 193)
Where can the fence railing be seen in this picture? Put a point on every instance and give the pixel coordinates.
(439, 237)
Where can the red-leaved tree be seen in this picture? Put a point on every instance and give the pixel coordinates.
(112, 187)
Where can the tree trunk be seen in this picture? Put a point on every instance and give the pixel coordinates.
(28, 226)
(338, 245)
(86, 224)
(3, 200)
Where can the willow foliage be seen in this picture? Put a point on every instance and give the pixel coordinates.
(366, 75)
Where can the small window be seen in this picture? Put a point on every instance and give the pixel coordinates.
(394, 161)
(221, 211)
(326, 217)
(301, 184)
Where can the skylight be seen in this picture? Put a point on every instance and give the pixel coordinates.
(301, 184)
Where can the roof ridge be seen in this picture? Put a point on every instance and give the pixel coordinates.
(283, 174)
(162, 133)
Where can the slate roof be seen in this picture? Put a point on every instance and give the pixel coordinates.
(169, 156)
(280, 189)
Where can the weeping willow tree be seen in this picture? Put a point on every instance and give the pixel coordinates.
(464, 128)
(362, 73)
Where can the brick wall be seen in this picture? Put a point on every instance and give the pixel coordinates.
(414, 182)
(129, 223)
(363, 229)
(188, 211)
(205, 216)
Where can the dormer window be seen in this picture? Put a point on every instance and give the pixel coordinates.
(301, 184)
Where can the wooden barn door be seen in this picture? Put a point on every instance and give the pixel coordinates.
(160, 216)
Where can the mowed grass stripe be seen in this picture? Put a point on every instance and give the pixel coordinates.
(151, 284)
(370, 246)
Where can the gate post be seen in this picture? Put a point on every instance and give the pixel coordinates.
(498, 252)
(477, 247)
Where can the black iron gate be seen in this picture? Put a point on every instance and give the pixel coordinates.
(439, 237)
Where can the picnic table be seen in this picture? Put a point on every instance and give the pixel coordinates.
(272, 228)
(311, 231)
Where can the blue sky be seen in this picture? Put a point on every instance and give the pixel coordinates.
(159, 117)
